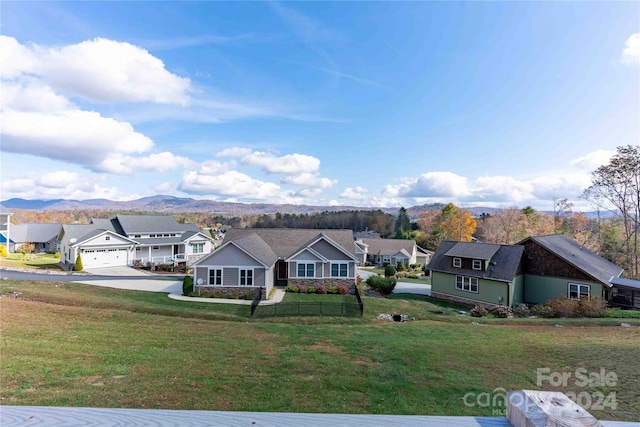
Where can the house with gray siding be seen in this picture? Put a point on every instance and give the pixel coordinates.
(42, 236)
(252, 260)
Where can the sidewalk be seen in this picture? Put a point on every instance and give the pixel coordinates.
(279, 294)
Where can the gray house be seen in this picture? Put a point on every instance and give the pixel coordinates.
(43, 236)
(259, 259)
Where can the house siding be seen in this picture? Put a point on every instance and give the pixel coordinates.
(327, 250)
(541, 289)
(541, 262)
(230, 255)
(443, 285)
(516, 291)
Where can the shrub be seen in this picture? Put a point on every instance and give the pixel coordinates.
(3, 251)
(384, 285)
(521, 311)
(322, 289)
(401, 274)
(311, 290)
(417, 266)
(501, 311)
(541, 310)
(413, 276)
(400, 266)
(343, 290)
(292, 288)
(359, 287)
(478, 311)
(57, 255)
(303, 289)
(78, 266)
(248, 296)
(389, 271)
(563, 307)
(187, 285)
(332, 290)
(591, 307)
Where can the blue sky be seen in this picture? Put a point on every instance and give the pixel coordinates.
(367, 104)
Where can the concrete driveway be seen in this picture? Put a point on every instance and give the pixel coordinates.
(132, 279)
(401, 287)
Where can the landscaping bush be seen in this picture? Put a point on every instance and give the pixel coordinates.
(413, 276)
(248, 296)
(591, 307)
(322, 289)
(78, 266)
(292, 288)
(3, 251)
(389, 271)
(401, 267)
(478, 311)
(343, 290)
(57, 255)
(187, 285)
(359, 287)
(303, 289)
(401, 274)
(501, 312)
(332, 290)
(384, 285)
(541, 310)
(521, 311)
(563, 307)
(417, 266)
(311, 290)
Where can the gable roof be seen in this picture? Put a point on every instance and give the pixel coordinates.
(34, 233)
(389, 246)
(503, 264)
(4, 211)
(577, 255)
(132, 224)
(284, 242)
(257, 248)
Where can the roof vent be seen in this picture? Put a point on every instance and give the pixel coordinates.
(493, 263)
(72, 241)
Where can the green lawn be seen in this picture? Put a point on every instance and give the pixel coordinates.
(31, 261)
(78, 345)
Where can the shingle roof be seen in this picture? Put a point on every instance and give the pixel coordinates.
(81, 232)
(258, 248)
(578, 256)
(503, 264)
(389, 246)
(483, 251)
(284, 242)
(4, 211)
(132, 224)
(34, 233)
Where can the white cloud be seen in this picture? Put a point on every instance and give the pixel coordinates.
(32, 95)
(102, 70)
(164, 188)
(15, 59)
(593, 160)
(230, 184)
(355, 193)
(500, 189)
(631, 52)
(162, 162)
(431, 184)
(567, 185)
(308, 180)
(234, 152)
(58, 185)
(291, 164)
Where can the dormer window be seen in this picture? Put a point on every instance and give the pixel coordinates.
(477, 264)
(457, 262)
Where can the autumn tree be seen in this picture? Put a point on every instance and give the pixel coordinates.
(616, 186)
(451, 223)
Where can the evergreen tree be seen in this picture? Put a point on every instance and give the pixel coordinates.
(78, 266)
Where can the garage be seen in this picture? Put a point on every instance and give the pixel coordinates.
(97, 258)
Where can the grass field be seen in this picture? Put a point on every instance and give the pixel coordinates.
(31, 261)
(75, 345)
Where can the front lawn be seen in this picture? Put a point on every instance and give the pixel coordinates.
(44, 261)
(79, 345)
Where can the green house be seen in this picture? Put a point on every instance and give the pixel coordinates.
(533, 271)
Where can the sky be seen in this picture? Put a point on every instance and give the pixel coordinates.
(368, 104)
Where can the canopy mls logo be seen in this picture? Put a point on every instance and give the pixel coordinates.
(496, 399)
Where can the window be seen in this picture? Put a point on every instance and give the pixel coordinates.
(469, 284)
(198, 248)
(138, 248)
(306, 270)
(107, 237)
(457, 262)
(476, 264)
(155, 248)
(215, 277)
(577, 291)
(137, 236)
(246, 277)
(339, 270)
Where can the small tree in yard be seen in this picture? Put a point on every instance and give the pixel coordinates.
(78, 266)
(26, 248)
(389, 271)
(3, 251)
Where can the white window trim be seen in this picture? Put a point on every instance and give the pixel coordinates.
(339, 264)
(579, 286)
(246, 277)
(457, 262)
(217, 270)
(197, 248)
(306, 269)
(466, 284)
(476, 264)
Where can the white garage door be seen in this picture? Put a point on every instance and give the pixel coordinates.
(96, 258)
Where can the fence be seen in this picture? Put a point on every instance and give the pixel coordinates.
(317, 308)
